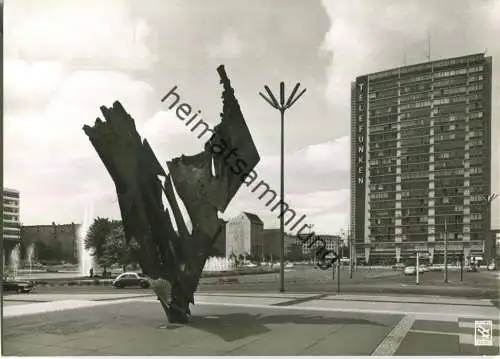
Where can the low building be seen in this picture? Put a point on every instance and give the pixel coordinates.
(272, 247)
(244, 235)
(52, 242)
(332, 242)
(11, 221)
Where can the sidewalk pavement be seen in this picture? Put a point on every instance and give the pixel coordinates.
(420, 306)
(250, 324)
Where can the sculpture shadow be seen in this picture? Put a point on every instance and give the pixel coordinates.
(231, 327)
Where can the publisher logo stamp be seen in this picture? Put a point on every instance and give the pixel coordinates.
(483, 333)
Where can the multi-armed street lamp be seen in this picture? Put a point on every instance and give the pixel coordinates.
(282, 106)
(490, 243)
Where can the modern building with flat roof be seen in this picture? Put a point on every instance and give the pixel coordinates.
(11, 222)
(421, 161)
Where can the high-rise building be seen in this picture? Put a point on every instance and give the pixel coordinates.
(244, 235)
(421, 159)
(11, 223)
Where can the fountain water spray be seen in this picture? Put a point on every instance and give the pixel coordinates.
(219, 264)
(14, 259)
(30, 254)
(85, 259)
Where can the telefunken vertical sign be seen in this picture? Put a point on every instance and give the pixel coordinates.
(361, 136)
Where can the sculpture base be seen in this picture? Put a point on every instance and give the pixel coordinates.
(176, 312)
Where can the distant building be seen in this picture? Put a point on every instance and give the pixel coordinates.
(53, 241)
(11, 222)
(331, 242)
(244, 235)
(272, 248)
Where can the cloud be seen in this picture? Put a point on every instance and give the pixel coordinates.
(365, 38)
(361, 42)
(47, 152)
(31, 83)
(87, 32)
(228, 47)
(322, 166)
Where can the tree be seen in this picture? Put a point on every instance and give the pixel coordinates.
(106, 239)
(95, 241)
(96, 236)
(117, 251)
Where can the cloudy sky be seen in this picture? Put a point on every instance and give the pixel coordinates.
(64, 59)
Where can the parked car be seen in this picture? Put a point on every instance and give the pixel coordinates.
(492, 266)
(424, 268)
(472, 268)
(410, 270)
(398, 266)
(131, 279)
(18, 286)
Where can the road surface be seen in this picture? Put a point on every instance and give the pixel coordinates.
(307, 280)
(246, 324)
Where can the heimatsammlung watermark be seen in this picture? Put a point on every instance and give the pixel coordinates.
(195, 123)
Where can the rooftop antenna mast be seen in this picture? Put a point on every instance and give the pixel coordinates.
(428, 46)
(404, 53)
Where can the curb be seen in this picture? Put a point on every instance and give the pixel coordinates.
(74, 283)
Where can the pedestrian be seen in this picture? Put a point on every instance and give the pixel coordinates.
(91, 272)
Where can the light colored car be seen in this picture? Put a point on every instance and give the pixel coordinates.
(423, 268)
(131, 279)
(410, 270)
(250, 265)
(492, 266)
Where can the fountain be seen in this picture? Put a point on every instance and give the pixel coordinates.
(30, 254)
(14, 259)
(85, 259)
(219, 264)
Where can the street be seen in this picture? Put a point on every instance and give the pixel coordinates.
(310, 280)
(131, 322)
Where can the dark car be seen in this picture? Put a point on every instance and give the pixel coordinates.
(131, 279)
(18, 286)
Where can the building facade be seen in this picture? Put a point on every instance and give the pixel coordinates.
(421, 160)
(11, 222)
(272, 246)
(244, 235)
(52, 242)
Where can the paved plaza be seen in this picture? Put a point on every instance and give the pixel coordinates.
(245, 324)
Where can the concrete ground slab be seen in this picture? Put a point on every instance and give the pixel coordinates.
(356, 339)
(435, 310)
(411, 299)
(136, 327)
(49, 297)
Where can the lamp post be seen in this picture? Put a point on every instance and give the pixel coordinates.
(352, 252)
(282, 106)
(489, 245)
(445, 249)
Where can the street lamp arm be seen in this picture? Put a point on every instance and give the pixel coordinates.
(292, 94)
(268, 100)
(282, 94)
(273, 99)
(295, 100)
